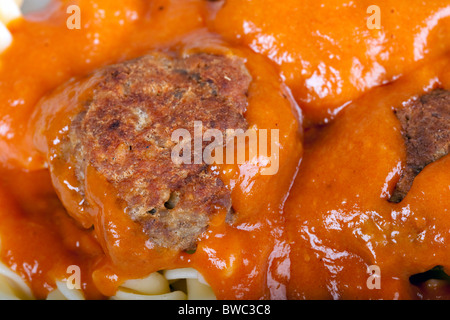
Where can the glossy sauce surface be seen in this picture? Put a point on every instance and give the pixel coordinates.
(336, 221)
(338, 216)
(326, 51)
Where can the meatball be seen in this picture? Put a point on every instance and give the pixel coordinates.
(124, 132)
(425, 126)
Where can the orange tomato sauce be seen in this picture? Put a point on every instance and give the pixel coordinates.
(283, 244)
(238, 261)
(338, 217)
(325, 50)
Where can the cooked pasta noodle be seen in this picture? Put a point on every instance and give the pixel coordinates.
(9, 10)
(183, 285)
(5, 37)
(64, 293)
(33, 5)
(153, 287)
(177, 284)
(196, 286)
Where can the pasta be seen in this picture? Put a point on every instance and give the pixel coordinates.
(5, 37)
(64, 293)
(197, 287)
(9, 10)
(177, 284)
(12, 286)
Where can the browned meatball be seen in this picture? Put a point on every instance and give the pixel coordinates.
(125, 133)
(426, 131)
